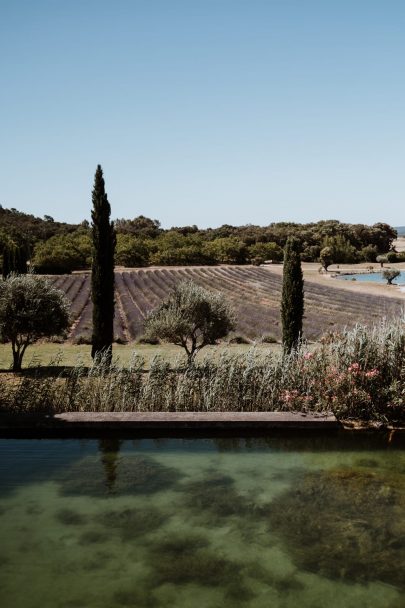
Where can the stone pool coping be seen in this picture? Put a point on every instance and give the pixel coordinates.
(167, 421)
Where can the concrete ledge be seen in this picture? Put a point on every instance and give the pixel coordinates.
(167, 421)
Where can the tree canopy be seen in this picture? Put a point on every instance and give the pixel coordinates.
(191, 317)
(30, 309)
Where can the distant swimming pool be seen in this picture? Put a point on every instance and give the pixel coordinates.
(373, 277)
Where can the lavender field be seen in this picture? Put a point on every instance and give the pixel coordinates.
(254, 292)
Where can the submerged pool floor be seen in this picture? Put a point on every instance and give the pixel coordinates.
(212, 523)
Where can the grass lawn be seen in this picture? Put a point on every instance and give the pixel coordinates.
(69, 354)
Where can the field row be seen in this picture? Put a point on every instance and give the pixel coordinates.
(254, 292)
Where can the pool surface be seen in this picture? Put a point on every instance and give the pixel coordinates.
(373, 277)
(204, 523)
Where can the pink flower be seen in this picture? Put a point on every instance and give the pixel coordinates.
(372, 373)
(354, 367)
(308, 356)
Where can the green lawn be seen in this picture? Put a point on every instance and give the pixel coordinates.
(70, 354)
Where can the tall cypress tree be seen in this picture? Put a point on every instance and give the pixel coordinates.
(292, 301)
(102, 275)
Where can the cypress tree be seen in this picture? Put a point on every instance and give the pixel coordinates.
(292, 300)
(102, 275)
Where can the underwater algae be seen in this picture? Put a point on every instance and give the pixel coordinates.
(346, 523)
(216, 497)
(131, 523)
(188, 559)
(70, 517)
(133, 474)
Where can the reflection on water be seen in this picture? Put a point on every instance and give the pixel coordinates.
(281, 522)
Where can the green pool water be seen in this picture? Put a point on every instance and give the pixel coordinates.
(207, 523)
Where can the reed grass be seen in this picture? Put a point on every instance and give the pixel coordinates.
(359, 373)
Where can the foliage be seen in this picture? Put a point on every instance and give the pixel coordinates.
(189, 245)
(341, 250)
(358, 374)
(15, 256)
(30, 309)
(392, 257)
(176, 249)
(131, 251)
(62, 254)
(191, 317)
(265, 251)
(390, 274)
(102, 276)
(292, 298)
(227, 250)
(325, 258)
(141, 227)
(369, 253)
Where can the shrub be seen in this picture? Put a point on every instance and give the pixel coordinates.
(392, 257)
(190, 317)
(390, 274)
(30, 309)
(357, 374)
(268, 339)
(239, 340)
(148, 340)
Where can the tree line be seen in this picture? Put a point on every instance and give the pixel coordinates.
(56, 248)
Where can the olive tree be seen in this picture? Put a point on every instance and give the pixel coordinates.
(381, 259)
(390, 274)
(30, 309)
(191, 317)
(326, 257)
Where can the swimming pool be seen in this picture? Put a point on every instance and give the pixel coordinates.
(256, 522)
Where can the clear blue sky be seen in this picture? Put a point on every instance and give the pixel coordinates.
(205, 111)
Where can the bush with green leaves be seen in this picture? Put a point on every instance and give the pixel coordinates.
(191, 317)
(30, 309)
(325, 258)
(358, 374)
(390, 274)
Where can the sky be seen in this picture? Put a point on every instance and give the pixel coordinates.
(204, 111)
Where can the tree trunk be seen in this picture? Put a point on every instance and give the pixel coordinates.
(17, 361)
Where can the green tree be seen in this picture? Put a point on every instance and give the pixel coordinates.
(131, 251)
(191, 317)
(30, 309)
(102, 276)
(265, 251)
(63, 253)
(226, 250)
(390, 274)
(292, 301)
(326, 258)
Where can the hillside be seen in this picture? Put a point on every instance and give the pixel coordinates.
(254, 292)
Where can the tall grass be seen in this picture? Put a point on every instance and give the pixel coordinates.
(356, 374)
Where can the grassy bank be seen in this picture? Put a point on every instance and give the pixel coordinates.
(71, 355)
(358, 374)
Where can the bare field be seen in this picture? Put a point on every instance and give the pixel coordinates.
(254, 292)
